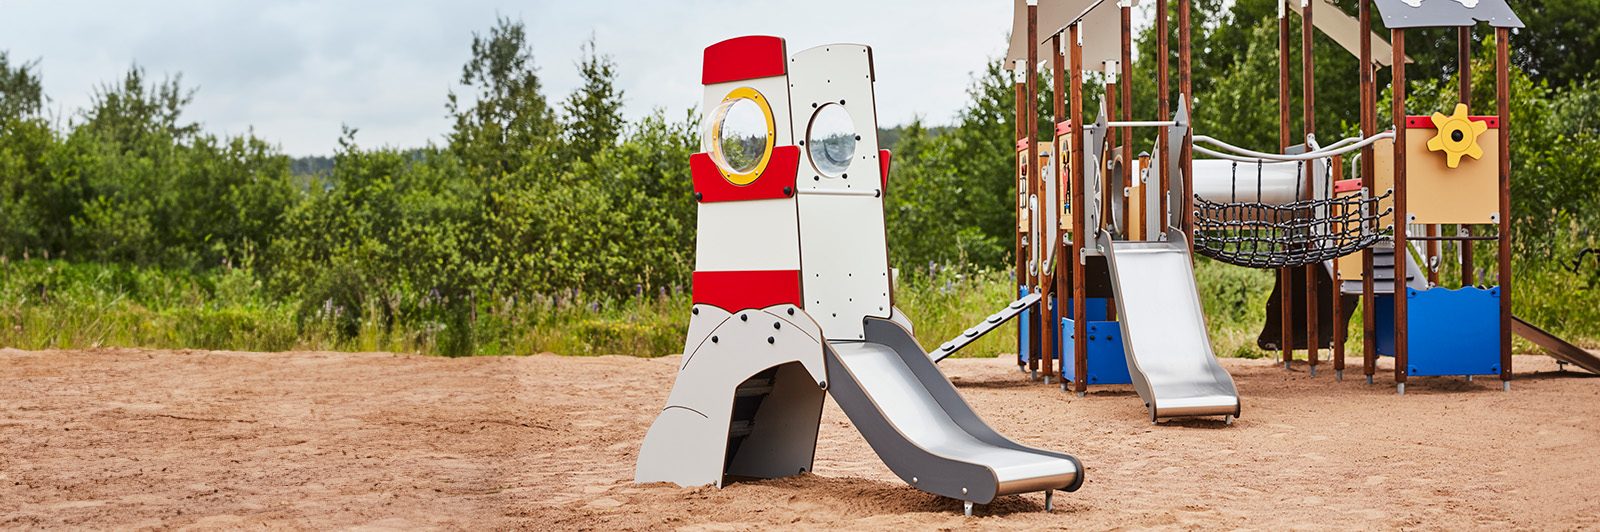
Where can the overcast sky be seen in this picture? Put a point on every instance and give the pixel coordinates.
(296, 70)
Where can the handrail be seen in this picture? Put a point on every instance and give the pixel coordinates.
(1319, 154)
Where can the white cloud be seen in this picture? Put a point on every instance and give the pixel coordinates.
(295, 71)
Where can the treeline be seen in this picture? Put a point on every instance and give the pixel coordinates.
(532, 203)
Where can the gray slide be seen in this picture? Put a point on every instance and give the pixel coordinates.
(922, 429)
(1557, 348)
(1164, 330)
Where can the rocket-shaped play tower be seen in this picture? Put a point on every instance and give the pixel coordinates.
(793, 296)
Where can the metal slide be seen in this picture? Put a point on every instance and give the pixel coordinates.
(922, 429)
(1164, 330)
(1557, 348)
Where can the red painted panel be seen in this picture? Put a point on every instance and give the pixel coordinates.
(740, 58)
(1426, 122)
(738, 290)
(1347, 185)
(776, 180)
(1022, 145)
(883, 167)
(1064, 128)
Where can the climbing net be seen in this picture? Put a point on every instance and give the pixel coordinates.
(1261, 235)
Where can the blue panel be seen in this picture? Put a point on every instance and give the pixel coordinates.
(1385, 318)
(1095, 307)
(1453, 332)
(1022, 331)
(1107, 364)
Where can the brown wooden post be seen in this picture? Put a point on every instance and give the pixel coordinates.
(1037, 335)
(1469, 277)
(1064, 251)
(1110, 99)
(1369, 126)
(1186, 87)
(1127, 114)
(1058, 111)
(1308, 87)
(1080, 325)
(1163, 107)
(1022, 206)
(1502, 39)
(1340, 326)
(1285, 139)
(1401, 251)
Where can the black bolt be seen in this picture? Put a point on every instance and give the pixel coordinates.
(858, 137)
(813, 105)
(777, 325)
(744, 317)
(1456, 135)
(802, 143)
(772, 340)
(841, 102)
(699, 197)
(846, 176)
(695, 311)
(816, 178)
(788, 191)
(791, 312)
(713, 339)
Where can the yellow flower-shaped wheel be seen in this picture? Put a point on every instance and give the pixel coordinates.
(1458, 136)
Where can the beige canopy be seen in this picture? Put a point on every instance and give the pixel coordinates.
(1101, 30)
(1344, 29)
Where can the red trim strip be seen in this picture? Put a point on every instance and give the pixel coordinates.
(738, 290)
(1426, 122)
(1347, 185)
(883, 168)
(1022, 145)
(776, 181)
(741, 58)
(1064, 128)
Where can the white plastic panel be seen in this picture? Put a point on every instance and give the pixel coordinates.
(844, 256)
(829, 75)
(747, 235)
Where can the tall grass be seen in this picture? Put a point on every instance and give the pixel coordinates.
(48, 304)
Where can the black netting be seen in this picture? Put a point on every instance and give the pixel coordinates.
(1260, 235)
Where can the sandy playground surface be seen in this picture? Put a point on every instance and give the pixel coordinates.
(131, 439)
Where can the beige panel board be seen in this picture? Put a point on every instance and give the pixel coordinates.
(1383, 179)
(748, 235)
(844, 256)
(1438, 194)
(1349, 265)
(1345, 30)
(1101, 31)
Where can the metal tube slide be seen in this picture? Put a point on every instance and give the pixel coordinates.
(921, 428)
(1164, 329)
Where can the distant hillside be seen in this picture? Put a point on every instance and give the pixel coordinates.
(311, 165)
(887, 137)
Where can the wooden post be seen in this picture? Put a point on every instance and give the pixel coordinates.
(1308, 87)
(1502, 39)
(1063, 184)
(1163, 108)
(1058, 110)
(1285, 139)
(1369, 125)
(1038, 334)
(1110, 99)
(1401, 251)
(1469, 277)
(1022, 209)
(1186, 87)
(1127, 114)
(1080, 325)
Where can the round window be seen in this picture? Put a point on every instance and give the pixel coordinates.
(831, 140)
(742, 135)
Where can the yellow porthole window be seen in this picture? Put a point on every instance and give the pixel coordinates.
(742, 130)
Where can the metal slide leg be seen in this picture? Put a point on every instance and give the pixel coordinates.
(1469, 378)
(1049, 500)
(1227, 419)
(1505, 386)
(1313, 370)
(1369, 380)
(969, 509)
(1338, 375)
(1401, 389)
(1561, 366)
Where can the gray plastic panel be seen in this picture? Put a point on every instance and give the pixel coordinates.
(921, 428)
(1443, 13)
(972, 334)
(1164, 330)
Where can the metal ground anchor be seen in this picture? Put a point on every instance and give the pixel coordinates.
(1049, 500)
(968, 509)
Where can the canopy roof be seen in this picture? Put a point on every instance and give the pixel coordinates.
(1101, 31)
(1444, 13)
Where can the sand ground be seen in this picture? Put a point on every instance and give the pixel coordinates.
(197, 440)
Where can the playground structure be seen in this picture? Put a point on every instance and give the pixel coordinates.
(793, 296)
(1107, 236)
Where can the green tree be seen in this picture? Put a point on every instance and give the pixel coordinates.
(594, 111)
(21, 91)
(510, 116)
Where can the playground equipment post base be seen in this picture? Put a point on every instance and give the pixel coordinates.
(1338, 375)
(1400, 389)
(1049, 500)
(968, 506)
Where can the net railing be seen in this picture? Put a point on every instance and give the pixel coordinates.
(1255, 234)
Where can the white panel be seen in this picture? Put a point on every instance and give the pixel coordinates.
(831, 74)
(747, 235)
(844, 259)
